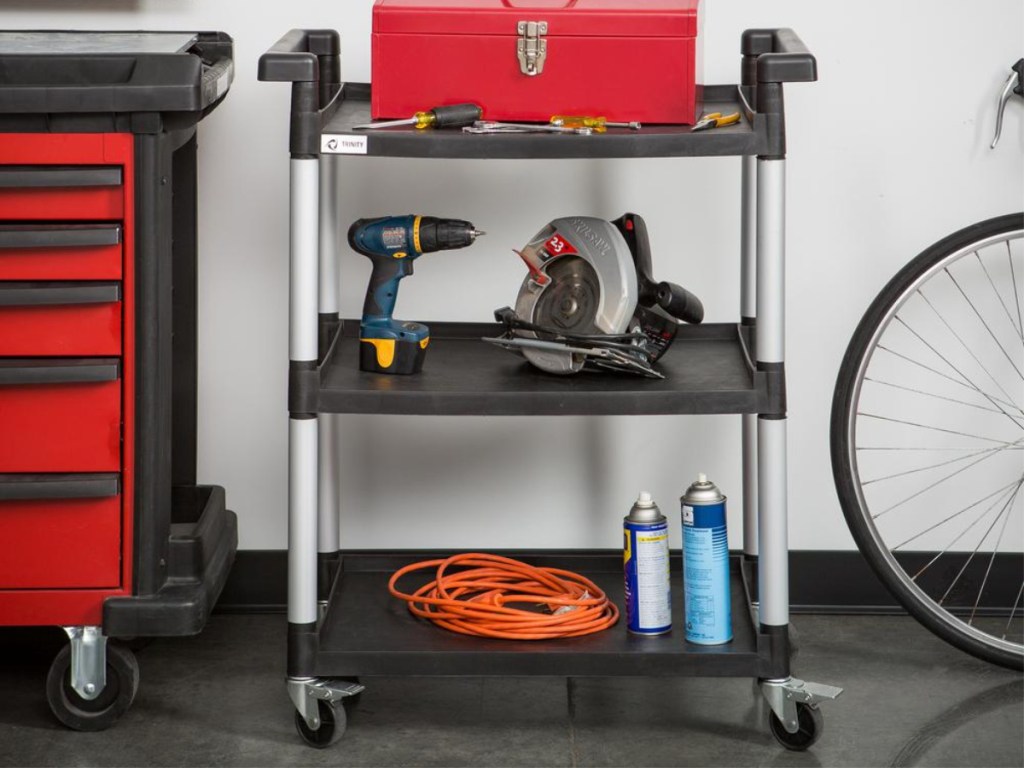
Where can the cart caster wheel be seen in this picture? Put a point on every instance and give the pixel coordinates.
(332, 725)
(811, 724)
(103, 711)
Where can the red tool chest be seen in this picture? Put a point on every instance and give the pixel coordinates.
(104, 530)
(627, 60)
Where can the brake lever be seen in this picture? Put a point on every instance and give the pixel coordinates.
(1014, 84)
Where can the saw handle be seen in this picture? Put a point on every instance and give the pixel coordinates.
(680, 303)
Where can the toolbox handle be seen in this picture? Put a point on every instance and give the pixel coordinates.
(38, 487)
(59, 237)
(535, 7)
(48, 177)
(26, 294)
(781, 55)
(18, 372)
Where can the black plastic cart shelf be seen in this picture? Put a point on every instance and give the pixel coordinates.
(707, 370)
(388, 640)
(342, 623)
(748, 137)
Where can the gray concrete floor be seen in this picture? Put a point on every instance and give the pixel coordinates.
(219, 699)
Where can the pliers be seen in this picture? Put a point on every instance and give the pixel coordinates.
(716, 120)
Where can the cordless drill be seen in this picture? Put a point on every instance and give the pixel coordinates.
(393, 243)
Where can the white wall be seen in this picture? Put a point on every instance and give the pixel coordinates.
(888, 152)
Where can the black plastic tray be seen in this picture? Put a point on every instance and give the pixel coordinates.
(367, 632)
(352, 107)
(63, 72)
(707, 369)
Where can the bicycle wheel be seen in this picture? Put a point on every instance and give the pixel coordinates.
(928, 438)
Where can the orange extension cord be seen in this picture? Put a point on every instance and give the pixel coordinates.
(475, 600)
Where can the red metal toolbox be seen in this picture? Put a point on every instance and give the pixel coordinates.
(527, 60)
(42, 319)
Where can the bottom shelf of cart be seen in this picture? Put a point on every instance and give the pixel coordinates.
(367, 632)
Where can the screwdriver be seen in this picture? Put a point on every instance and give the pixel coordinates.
(454, 116)
(597, 124)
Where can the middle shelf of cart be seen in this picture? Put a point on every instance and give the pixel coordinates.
(708, 370)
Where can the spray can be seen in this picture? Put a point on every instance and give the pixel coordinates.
(646, 565)
(706, 564)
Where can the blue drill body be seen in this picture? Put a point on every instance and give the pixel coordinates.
(393, 243)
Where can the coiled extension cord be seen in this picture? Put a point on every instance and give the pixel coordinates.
(479, 597)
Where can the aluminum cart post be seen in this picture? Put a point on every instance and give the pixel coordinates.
(780, 57)
(309, 60)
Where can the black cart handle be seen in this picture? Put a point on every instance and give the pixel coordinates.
(781, 55)
(39, 487)
(19, 372)
(59, 237)
(24, 294)
(295, 58)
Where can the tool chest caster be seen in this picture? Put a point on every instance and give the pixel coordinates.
(340, 622)
(103, 529)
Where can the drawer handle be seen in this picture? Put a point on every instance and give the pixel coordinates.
(57, 176)
(25, 294)
(16, 372)
(58, 237)
(36, 487)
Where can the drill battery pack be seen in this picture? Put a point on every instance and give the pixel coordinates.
(395, 356)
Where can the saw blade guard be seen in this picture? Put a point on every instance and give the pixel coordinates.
(581, 280)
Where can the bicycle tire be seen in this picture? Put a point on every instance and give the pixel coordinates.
(843, 437)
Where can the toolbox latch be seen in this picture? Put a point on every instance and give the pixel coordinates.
(532, 47)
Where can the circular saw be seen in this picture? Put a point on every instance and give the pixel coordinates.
(589, 301)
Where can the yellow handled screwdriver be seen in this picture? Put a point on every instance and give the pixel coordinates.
(596, 124)
(454, 116)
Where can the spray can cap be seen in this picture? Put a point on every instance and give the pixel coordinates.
(645, 499)
(702, 478)
(703, 491)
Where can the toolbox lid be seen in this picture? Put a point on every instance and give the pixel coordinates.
(575, 18)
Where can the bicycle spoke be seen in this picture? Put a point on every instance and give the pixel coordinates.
(922, 448)
(933, 485)
(994, 400)
(976, 312)
(987, 532)
(932, 394)
(942, 464)
(988, 570)
(1013, 286)
(935, 429)
(962, 344)
(997, 492)
(1006, 309)
(962, 375)
(969, 528)
(1013, 611)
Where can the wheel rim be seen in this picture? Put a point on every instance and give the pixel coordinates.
(972, 362)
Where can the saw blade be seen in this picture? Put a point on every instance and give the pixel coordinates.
(570, 302)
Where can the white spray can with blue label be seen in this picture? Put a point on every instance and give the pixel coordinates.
(706, 565)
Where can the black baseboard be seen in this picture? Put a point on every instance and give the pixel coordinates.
(820, 582)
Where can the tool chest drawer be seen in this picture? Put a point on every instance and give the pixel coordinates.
(60, 415)
(60, 318)
(60, 251)
(58, 192)
(60, 531)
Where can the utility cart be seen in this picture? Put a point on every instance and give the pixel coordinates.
(103, 529)
(342, 628)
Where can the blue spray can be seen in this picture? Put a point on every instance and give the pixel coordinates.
(646, 565)
(706, 564)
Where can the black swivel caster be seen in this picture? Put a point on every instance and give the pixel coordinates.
(102, 712)
(810, 722)
(333, 721)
